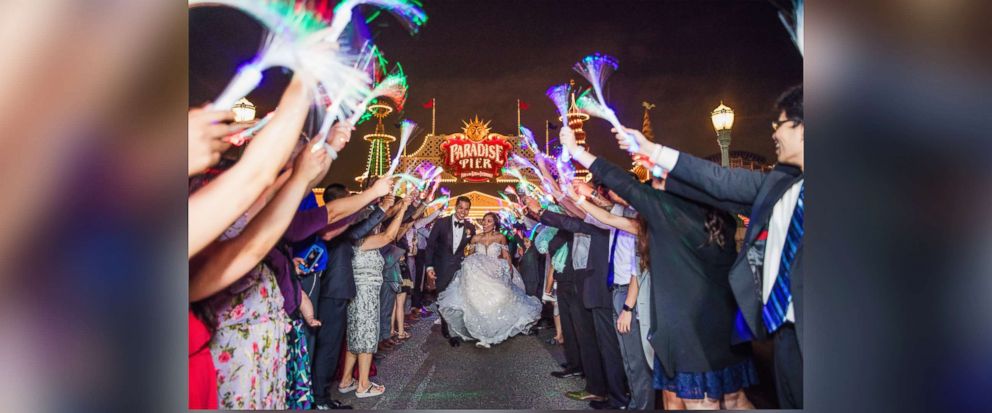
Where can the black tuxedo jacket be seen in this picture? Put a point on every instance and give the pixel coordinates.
(595, 292)
(439, 253)
(755, 194)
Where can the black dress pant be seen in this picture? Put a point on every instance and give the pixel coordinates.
(417, 292)
(609, 351)
(566, 299)
(788, 367)
(581, 320)
(333, 317)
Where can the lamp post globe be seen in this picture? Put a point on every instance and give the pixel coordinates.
(723, 120)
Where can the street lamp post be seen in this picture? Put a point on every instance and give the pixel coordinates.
(723, 120)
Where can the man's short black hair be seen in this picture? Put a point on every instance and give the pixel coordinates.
(791, 102)
(334, 191)
(461, 199)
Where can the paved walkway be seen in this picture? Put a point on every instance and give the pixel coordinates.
(425, 372)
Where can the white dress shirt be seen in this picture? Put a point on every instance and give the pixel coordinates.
(625, 262)
(778, 229)
(457, 234)
(456, 238)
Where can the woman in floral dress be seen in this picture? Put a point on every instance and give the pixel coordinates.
(249, 347)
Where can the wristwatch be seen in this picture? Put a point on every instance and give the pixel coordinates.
(626, 308)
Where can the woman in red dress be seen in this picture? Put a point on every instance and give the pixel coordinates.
(202, 375)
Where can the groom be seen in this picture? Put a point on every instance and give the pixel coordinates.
(446, 249)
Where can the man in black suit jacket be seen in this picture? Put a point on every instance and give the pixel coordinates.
(773, 247)
(446, 249)
(598, 299)
(337, 288)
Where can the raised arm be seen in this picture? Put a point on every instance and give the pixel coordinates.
(572, 208)
(674, 185)
(267, 195)
(567, 223)
(404, 229)
(725, 184)
(618, 222)
(423, 222)
(381, 239)
(215, 206)
(234, 258)
(342, 207)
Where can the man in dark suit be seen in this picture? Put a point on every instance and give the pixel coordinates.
(767, 277)
(597, 299)
(446, 249)
(337, 288)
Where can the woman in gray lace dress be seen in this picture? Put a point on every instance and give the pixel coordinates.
(363, 311)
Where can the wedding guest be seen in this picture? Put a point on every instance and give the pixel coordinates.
(337, 287)
(691, 252)
(408, 242)
(363, 311)
(624, 269)
(773, 245)
(603, 363)
(392, 285)
(531, 268)
(250, 341)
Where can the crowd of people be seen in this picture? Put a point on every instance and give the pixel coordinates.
(291, 302)
(651, 289)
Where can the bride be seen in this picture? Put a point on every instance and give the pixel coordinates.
(486, 299)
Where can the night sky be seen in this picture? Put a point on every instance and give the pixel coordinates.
(479, 57)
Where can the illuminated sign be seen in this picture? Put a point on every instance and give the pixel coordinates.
(476, 155)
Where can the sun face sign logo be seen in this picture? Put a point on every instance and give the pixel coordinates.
(475, 155)
(475, 129)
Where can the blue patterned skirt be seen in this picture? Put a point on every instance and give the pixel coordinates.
(299, 395)
(710, 384)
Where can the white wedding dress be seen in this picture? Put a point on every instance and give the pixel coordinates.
(486, 300)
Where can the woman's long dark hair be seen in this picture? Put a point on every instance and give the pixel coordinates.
(716, 225)
(643, 245)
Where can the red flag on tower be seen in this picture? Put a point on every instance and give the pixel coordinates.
(429, 104)
(523, 105)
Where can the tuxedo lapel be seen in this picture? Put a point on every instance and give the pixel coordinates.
(449, 234)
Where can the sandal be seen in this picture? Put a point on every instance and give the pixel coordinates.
(349, 388)
(403, 336)
(373, 390)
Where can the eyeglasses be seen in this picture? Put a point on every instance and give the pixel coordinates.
(778, 123)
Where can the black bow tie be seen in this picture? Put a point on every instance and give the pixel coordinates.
(459, 224)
